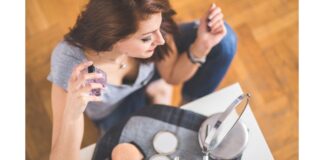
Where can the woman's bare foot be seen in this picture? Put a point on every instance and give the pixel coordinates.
(160, 92)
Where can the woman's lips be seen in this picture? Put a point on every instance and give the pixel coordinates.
(151, 50)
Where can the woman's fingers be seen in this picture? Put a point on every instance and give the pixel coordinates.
(85, 96)
(211, 29)
(81, 98)
(87, 89)
(210, 10)
(216, 27)
(204, 19)
(83, 78)
(217, 30)
(221, 30)
(77, 70)
(214, 12)
(215, 20)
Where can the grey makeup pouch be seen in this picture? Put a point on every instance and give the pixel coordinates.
(141, 127)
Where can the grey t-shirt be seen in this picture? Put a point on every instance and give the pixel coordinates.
(65, 57)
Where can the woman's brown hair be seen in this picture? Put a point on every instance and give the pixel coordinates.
(104, 22)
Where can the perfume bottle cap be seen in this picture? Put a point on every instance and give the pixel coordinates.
(91, 69)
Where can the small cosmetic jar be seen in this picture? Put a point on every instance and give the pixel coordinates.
(164, 143)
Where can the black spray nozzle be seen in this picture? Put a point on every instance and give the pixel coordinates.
(91, 69)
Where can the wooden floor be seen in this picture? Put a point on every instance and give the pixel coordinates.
(266, 65)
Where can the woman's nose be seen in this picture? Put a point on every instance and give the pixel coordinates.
(159, 38)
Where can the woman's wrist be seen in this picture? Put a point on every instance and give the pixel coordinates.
(199, 49)
(71, 116)
(71, 120)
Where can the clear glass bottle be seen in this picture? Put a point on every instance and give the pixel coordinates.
(103, 80)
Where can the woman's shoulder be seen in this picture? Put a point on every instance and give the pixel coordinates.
(65, 47)
(64, 58)
(65, 51)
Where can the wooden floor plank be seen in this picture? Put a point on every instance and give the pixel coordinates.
(38, 125)
(262, 31)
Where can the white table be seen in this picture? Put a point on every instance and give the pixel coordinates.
(86, 152)
(257, 148)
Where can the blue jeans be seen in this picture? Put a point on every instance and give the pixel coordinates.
(204, 82)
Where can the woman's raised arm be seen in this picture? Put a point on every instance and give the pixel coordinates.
(68, 108)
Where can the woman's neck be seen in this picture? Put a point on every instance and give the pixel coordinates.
(109, 59)
(105, 57)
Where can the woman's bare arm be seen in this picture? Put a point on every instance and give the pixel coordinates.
(177, 68)
(68, 119)
(66, 135)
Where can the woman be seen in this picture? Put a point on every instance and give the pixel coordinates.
(134, 42)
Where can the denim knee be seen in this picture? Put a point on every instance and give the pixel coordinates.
(227, 47)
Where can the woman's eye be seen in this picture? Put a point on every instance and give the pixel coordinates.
(147, 39)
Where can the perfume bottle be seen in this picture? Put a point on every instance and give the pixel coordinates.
(102, 80)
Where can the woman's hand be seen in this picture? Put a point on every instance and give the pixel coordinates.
(78, 92)
(210, 32)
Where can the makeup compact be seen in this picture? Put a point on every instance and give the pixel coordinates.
(159, 157)
(164, 143)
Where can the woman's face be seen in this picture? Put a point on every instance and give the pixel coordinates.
(142, 43)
